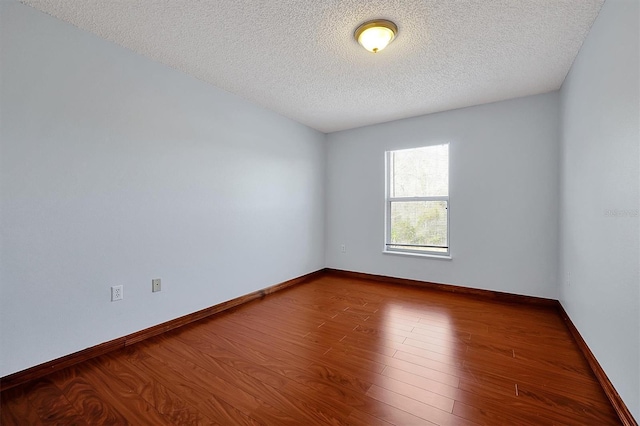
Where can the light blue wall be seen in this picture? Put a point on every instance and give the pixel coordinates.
(600, 178)
(115, 170)
(503, 196)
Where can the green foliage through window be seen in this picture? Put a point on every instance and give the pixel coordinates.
(418, 199)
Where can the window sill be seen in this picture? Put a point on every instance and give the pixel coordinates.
(431, 256)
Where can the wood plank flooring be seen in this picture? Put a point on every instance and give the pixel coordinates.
(334, 351)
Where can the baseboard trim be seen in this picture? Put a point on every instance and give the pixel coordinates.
(187, 319)
(468, 291)
(614, 398)
(42, 370)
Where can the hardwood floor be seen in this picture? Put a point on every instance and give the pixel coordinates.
(334, 351)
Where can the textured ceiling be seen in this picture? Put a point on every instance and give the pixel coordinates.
(299, 58)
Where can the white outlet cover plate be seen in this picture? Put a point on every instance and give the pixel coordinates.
(117, 293)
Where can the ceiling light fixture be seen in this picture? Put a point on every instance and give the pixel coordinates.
(376, 35)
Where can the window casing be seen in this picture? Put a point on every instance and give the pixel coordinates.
(417, 201)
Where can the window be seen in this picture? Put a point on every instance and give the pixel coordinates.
(417, 201)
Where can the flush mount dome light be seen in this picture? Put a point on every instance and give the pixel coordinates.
(376, 35)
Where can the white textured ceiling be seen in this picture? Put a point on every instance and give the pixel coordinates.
(299, 58)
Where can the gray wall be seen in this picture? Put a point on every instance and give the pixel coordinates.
(600, 177)
(115, 170)
(503, 196)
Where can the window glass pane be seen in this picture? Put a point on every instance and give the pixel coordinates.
(421, 223)
(420, 172)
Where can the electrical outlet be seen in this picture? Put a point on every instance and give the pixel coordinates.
(117, 293)
(343, 248)
(156, 285)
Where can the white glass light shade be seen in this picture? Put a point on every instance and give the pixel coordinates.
(376, 35)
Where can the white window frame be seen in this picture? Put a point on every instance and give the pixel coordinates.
(388, 200)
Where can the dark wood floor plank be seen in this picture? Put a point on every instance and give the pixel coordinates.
(527, 363)
(333, 377)
(207, 382)
(335, 350)
(292, 339)
(353, 394)
(423, 395)
(337, 387)
(256, 380)
(455, 349)
(118, 395)
(164, 400)
(388, 413)
(515, 411)
(448, 369)
(200, 397)
(598, 412)
(449, 359)
(360, 418)
(352, 359)
(566, 361)
(15, 408)
(425, 372)
(314, 350)
(521, 374)
(448, 391)
(415, 407)
(51, 405)
(87, 401)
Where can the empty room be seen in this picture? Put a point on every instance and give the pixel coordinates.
(320, 212)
